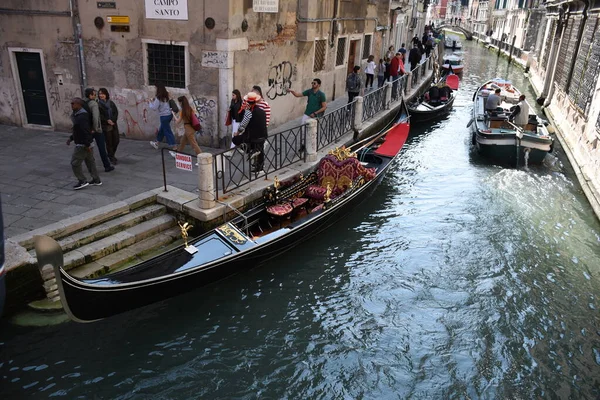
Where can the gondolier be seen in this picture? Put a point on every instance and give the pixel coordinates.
(253, 130)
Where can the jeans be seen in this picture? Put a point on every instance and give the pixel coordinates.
(380, 80)
(165, 130)
(81, 154)
(351, 96)
(112, 141)
(369, 81)
(101, 144)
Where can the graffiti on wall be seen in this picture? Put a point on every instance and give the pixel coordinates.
(279, 80)
(207, 114)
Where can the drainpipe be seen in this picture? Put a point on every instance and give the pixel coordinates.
(74, 8)
(562, 25)
(579, 35)
(552, 59)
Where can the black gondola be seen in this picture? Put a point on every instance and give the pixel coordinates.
(288, 214)
(431, 106)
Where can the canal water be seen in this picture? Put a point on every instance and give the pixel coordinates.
(456, 279)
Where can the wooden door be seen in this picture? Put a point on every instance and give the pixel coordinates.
(352, 55)
(33, 86)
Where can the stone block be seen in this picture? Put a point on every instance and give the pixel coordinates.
(141, 199)
(73, 259)
(16, 256)
(175, 198)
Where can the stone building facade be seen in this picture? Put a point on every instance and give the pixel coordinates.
(52, 49)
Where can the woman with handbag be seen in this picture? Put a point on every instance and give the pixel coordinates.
(108, 120)
(190, 126)
(162, 104)
(234, 117)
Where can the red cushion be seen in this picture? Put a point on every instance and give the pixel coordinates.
(280, 210)
(299, 202)
(315, 192)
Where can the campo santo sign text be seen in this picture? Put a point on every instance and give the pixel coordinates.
(167, 9)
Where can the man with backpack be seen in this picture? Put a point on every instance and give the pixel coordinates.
(92, 109)
(82, 136)
(353, 85)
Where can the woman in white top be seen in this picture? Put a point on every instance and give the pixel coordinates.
(370, 72)
(161, 104)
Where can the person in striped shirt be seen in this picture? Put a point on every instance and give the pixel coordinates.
(262, 104)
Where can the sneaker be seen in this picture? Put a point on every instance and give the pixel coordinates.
(111, 168)
(95, 182)
(173, 154)
(154, 144)
(80, 185)
(113, 160)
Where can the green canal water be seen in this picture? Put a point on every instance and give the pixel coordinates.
(456, 279)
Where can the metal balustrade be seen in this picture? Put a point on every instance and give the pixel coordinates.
(373, 102)
(332, 126)
(234, 166)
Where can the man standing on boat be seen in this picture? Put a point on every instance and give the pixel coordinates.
(520, 115)
(316, 103)
(493, 101)
(253, 130)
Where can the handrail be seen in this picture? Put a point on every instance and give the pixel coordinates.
(373, 102)
(335, 124)
(162, 155)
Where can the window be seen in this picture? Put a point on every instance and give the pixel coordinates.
(367, 46)
(166, 64)
(320, 47)
(341, 52)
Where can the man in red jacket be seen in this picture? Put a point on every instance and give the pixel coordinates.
(396, 70)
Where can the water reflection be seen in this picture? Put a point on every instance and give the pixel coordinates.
(456, 279)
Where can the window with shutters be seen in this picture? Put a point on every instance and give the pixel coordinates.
(585, 72)
(166, 64)
(367, 46)
(341, 52)
(320, 50)
(570, 44)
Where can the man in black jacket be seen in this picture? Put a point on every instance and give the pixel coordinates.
(253, 130)
(82, 136)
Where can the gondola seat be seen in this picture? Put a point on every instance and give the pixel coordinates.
(338, 175)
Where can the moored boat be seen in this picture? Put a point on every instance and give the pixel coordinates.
(452, 42)
(289, 213)
(435, 103)
(453, 63)
(498, 138)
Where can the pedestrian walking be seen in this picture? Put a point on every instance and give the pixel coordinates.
(97, 133)
(370, 72)
(109, 113)
(316, 103)
(83, 152)
(262, 103)
(253, 130)
(161, 104)
(380, 73)
(191, 125)
(353, 85)
(235, 110)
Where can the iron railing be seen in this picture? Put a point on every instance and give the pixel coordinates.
(234, 166)
(373, 102)
(399, 88)
(164, 170)
(332, 126)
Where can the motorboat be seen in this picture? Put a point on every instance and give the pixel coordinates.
(498, 138)
(453, 63)
(436, 102)
(452, 42)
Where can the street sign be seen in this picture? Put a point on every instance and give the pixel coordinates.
(183, 161)
(106, 4)
(118, 19)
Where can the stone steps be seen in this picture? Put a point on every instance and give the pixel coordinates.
(128, 255)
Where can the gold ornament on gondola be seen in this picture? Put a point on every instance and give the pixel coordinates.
(184, 231)
(342, 153)
(276, 183)
(328, 193)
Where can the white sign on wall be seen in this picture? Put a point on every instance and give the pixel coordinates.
(266, 6)
(167, 9)
(215, 59)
